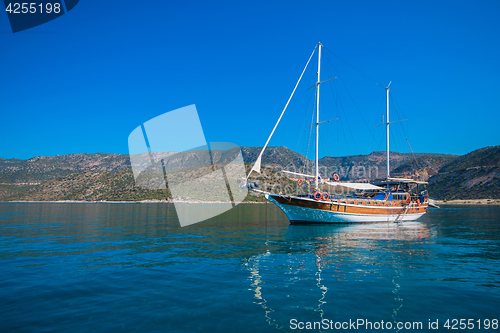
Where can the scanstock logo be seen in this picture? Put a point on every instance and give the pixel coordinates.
(170, 151)
(26, 15)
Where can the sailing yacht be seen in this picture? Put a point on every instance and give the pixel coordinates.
(389, 200)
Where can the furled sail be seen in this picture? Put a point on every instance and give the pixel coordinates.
(257, 164)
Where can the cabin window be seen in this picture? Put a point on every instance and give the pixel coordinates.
(368, 202)
(342, 202)
(389, 203)
(351, 202)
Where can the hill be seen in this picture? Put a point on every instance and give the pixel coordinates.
(423, 167)
(40, 169)
(374, 165)
(475, 175)
(94, 177)
(91, 186)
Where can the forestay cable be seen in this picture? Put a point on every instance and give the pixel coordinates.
(256, 166)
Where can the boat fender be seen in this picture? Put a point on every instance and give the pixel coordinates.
(325, 196)
(317, 195)
(299, 182)
(335, 177)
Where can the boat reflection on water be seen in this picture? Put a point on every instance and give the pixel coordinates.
(326, 271)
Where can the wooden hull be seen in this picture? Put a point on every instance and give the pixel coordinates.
(305, 210)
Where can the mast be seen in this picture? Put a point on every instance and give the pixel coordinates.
(317, 118)
(257, 164)
(387, 122)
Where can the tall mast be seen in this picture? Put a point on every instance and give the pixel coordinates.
(387, 122)
(317, 117)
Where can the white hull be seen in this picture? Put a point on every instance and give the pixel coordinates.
(310, 215)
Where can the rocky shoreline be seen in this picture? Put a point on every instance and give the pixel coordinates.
(125, 202)
(469, 202)
(439, 202)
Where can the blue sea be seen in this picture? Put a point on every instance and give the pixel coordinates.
(132, 268)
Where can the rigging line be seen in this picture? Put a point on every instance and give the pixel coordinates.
(337, 109)
(395, 103)
(311, 128)
(348, 126)
(352, 99)
(380, 113)
(338, 144)
(343, 131)
(302, 125)
(362, 73)
(405, 134)
(324, 143)
(345, 138)
(382, 140)
(338, 103)
(331, 73)
(398, 136)
(384, 136)
(258, 161)
(413, 154)
(394, 141)
(301, 128)
(329, 146)
(397, 113)
(305, 144)
(397, 130)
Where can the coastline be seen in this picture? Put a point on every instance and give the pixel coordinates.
(127, 202)
(439, 202)
(469, 202)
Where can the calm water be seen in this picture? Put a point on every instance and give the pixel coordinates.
(130, 267)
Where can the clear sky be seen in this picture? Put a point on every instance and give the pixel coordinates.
(83, 82)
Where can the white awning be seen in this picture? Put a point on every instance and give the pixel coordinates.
(400, 180)
(297, 174)
(353, 186)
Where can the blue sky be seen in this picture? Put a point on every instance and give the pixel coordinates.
(83, 82)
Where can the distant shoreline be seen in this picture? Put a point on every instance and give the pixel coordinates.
(469, 202)
(439, 202)
(127, 202)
